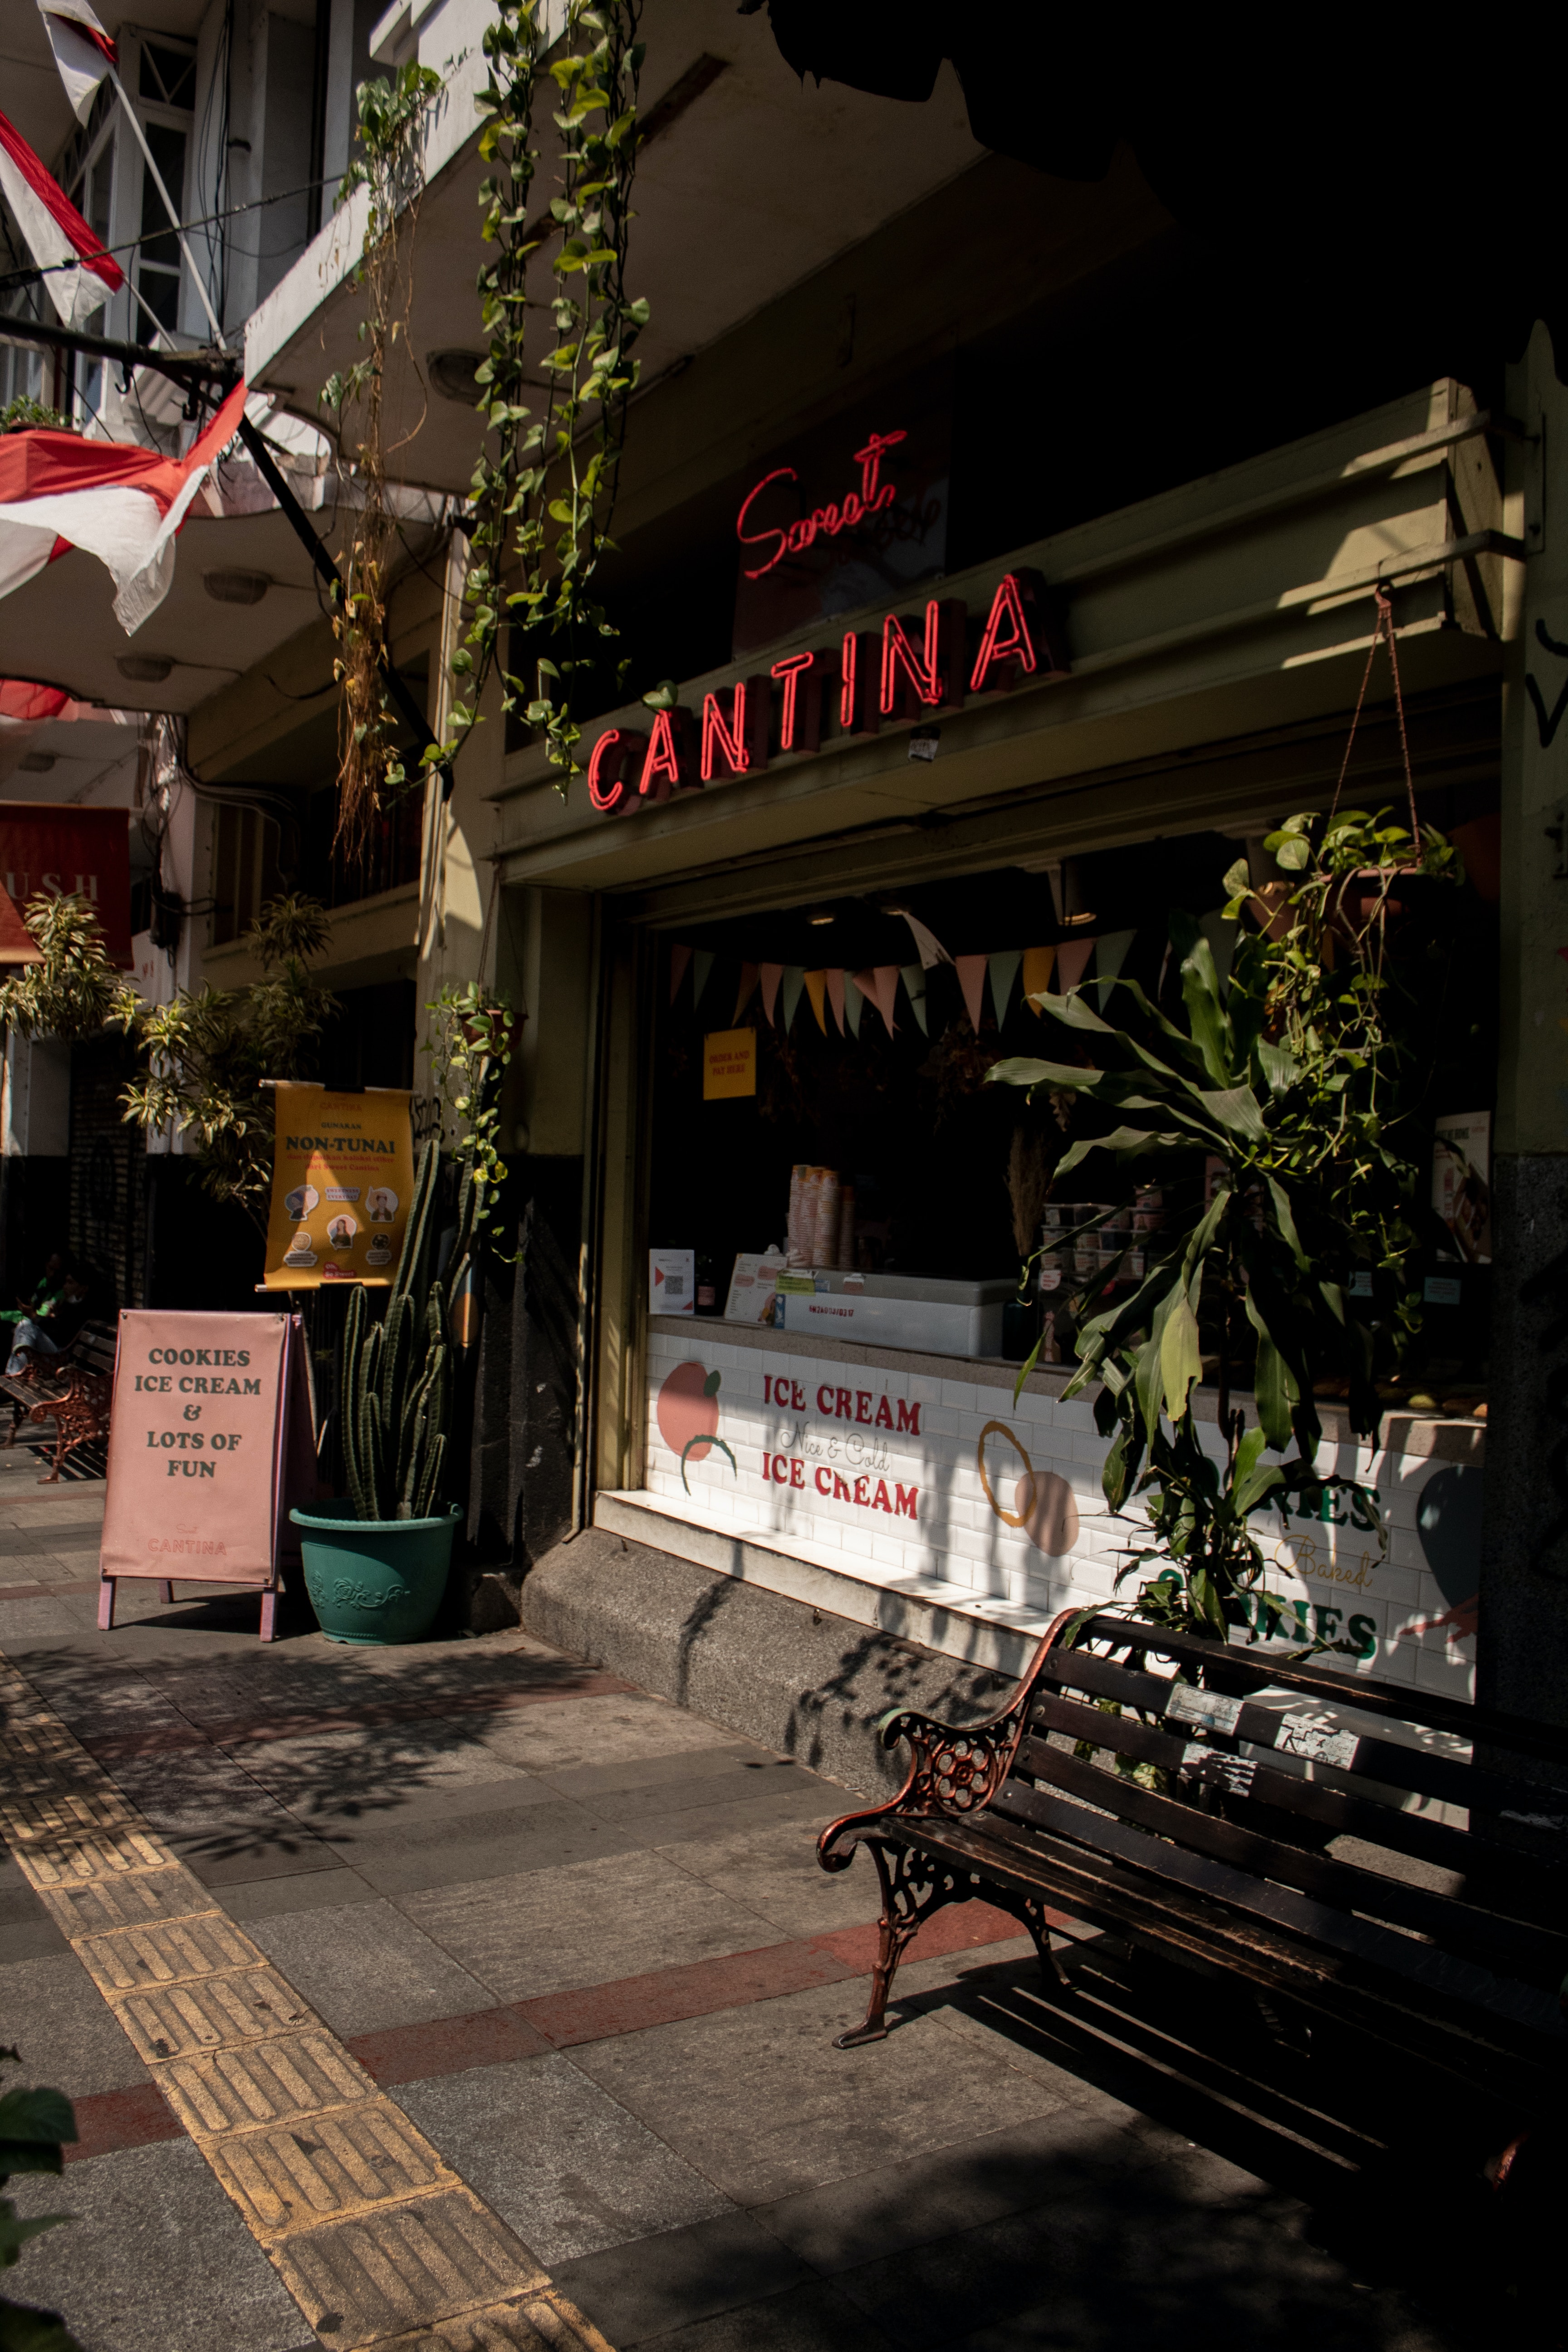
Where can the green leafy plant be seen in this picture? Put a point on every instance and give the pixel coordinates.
(21, 415)
(208, 1053)
(470, 1042)
(75, 990)
(1275, 1114)
(556, 455)
(396, 1382)
(390, 164)
(32, 2126)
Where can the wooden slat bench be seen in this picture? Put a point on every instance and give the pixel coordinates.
(1188, 1822)
(74, 1390)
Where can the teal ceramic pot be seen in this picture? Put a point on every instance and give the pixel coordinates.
(374, 1580)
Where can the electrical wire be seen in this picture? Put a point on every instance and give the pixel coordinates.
(19, 278)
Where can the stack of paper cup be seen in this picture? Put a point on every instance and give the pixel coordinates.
(828, 1196)
(845, 1259)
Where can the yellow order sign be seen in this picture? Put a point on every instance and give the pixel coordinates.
(1043, 1504)
(342, 1178)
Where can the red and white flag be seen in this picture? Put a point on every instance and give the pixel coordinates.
(79, 275)
(83, 50)
(122, 504)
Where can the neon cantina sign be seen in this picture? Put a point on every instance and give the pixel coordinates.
(918, 666)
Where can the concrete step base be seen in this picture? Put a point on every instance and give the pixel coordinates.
(791, 1674)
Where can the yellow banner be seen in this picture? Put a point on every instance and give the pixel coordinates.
(342, 1178)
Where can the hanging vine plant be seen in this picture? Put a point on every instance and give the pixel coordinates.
(544, 487)
(390, 164)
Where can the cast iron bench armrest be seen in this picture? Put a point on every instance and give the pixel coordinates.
(954, 1769)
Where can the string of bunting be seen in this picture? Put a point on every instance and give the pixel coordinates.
(836, 993)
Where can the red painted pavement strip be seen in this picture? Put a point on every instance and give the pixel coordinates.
(107, 2121)
(110, 2120)
(448, 2045)
(666, 1996)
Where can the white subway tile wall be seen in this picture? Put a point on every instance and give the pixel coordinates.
(897, 1476)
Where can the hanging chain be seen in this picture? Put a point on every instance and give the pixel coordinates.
(1385, 629)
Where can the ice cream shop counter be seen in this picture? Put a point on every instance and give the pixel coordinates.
(907, 1486)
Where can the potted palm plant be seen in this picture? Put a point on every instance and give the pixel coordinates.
(1278, 1108)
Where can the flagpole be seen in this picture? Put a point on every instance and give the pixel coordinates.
(169, 207)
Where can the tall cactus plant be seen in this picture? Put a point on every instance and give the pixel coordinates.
(396, 1388)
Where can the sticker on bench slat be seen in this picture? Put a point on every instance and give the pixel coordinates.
(1211, 1708)
(1297, 1737)
(1218, 1770)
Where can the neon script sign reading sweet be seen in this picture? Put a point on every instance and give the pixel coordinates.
(823, 522)
(917, 665)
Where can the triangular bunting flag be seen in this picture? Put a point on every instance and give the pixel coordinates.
(885, 989)
(971, 970)
(744, 993)
(1221, 937)
(1110, 954)
(771, 974)
(928, 946)
(914, 979)
(1038, 964)
(835, 997)
(853, 1003)
(679, 957)
(1004, 972)
(701, 965)
(794, 982)
(1072, 962)
(817, 989)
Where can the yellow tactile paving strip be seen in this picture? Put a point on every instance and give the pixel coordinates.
(376, 2238)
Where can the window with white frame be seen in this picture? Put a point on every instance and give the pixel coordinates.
(165, 101)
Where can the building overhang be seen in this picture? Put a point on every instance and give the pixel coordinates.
(750, 184)
(1237, 607)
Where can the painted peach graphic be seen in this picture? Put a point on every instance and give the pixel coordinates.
(1047, 1511)
(1043, 1504)
(688, 1412)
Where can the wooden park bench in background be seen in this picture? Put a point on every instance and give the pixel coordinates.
(1441, 1932)
(74, 1390)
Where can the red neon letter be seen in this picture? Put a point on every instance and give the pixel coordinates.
(937, 680)
(736, 749)
(668, 760)
(760, 539)
(858, 710)
(904, 1502)
(1019, 628)
(869, 459)
(825, 1399)
(604, 795)
(800, 717)
(615, 761)
(824, 1479)
(917, 685)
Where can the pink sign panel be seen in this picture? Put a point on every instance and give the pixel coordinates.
(210, 1441)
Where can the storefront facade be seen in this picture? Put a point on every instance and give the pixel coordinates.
(1029, 761)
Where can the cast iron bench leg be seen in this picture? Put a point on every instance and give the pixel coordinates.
(913, 1886)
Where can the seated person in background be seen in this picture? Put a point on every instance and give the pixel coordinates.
(46, 1294)
(42, 1335)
